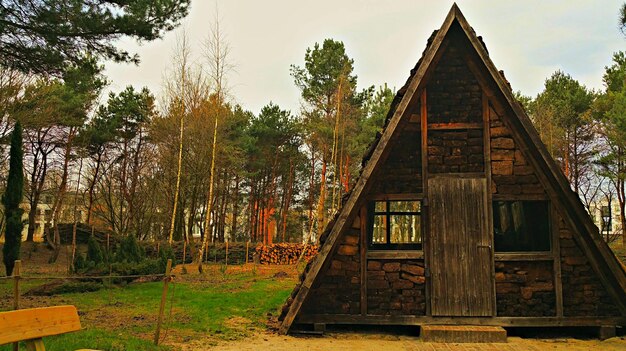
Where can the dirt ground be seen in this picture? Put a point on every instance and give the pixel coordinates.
(375, 342)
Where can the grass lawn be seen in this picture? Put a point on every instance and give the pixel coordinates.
(210, 307)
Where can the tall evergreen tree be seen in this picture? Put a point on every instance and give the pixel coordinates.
(11, 201)
(44, 36)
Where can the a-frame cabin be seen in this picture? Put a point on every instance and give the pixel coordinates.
(460, 215)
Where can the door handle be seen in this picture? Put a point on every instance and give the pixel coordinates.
(484, 246)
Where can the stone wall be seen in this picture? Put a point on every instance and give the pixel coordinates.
(337, 288)
(453, 93)
(525, 289)
(402, 170)
(583, 293)
(395, 287)
(511, 174)
(456, 151)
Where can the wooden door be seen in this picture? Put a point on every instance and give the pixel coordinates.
(460, 247)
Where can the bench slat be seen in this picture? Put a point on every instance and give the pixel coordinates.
(35, 323)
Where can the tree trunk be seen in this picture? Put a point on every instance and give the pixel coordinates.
(322, 200)
(233, 226)
(92, 186)
(207, 220)
(58, 202)
(80, 169)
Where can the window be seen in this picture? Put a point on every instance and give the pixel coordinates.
(395, 225)
(521, 226)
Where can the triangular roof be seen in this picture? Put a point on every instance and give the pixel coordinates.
(497, 89)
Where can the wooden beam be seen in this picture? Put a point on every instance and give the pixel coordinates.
(471, 175)
(363, 259)
(523, 256)
(454, 126)
(425, 205)
(520, 197)
(496, 321)
(395, 254)
(489, 206)
(396, 197)
(556, 250)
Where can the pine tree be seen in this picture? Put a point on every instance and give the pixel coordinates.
(11, 201)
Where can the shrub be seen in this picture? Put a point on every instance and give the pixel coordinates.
(129, 250)
(94, 252)
(145, 267)
(166, 252)
(79, 263)
(76, 287)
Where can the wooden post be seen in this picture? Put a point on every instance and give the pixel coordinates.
(227, 253)
(166, 281)
(16, 284)
(17, 271)
(184, 252)
(108, 241)
(247, 244)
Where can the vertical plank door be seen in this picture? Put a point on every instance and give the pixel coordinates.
(461, 259)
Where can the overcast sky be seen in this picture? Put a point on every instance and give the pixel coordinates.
(529, 40)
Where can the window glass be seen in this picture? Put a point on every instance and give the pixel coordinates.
(379, 236)
(381, 206)
(405, 229)
(404, 206)
(395, 225)
(521, 226)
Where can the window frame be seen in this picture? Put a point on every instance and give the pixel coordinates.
(371, 213)
(549, 230)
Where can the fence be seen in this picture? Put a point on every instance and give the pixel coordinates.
(167, 278)
(221, 253)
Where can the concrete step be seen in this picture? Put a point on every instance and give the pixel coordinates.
(462, 334)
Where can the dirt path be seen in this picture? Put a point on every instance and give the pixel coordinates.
(373, 342)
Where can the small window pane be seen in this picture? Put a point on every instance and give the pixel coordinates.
(521, 226)
(404, 206)
(405, 229)
(381, 206)
(380, 230)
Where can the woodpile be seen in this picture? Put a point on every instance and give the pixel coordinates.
(284, 253)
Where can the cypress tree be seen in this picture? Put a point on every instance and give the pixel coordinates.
(11, 201)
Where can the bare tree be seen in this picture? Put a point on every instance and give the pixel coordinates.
(217, 55)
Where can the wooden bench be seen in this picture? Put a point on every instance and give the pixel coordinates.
(31, 325)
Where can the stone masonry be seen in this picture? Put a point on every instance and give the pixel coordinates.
(337, 289)
(511, 174)
(583, 293)
(396, 287)
(454, 94)
(525, 289)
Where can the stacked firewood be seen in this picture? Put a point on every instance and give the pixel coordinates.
(284, 253)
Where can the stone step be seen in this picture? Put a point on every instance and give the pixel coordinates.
(462, 334)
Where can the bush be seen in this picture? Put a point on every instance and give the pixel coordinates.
(76, 287)
(94, 252)
(165, 253)
(64, 287)
(129, 250)
(79, 263)
(146, 267)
